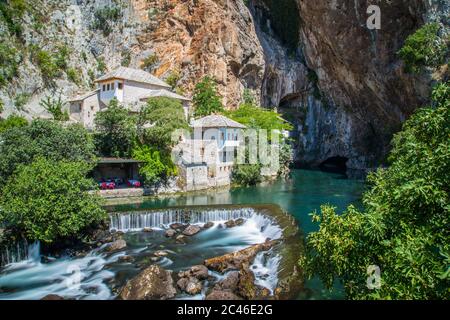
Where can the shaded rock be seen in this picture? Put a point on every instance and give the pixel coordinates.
(222, 295)
(177, 226)
(52, 297)
(246, 287)
(229, 283)
(147, 230)
(116, 245)
(236, 260)
(230, 224)
(240, 221)
(190, 285)
(154, 283)
(181, 238)
(208, 225)
(200, 272)
(191, 230)
(170, 233)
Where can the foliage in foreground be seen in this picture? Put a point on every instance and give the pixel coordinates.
(43, 138)
(116, 131)
(13, 121)
(404, 227)
(49, 200)
(247, 174)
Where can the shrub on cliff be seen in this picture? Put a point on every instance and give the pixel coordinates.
(404, 225)
(424, 48)
(13, 121)
(49, 200)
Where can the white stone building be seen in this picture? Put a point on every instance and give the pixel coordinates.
(207, 157)
(131, 87)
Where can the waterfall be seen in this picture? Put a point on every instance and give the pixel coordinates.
(18, 252)
(135, 221)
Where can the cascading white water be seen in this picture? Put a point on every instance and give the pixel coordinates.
(19, 252)
(135, 221)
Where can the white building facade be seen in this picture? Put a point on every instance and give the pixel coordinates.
(206, 158)
(131, 87)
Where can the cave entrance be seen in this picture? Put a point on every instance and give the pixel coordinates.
(334, 164)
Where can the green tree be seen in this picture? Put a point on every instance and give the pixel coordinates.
(206, 100)
(424, 48)
(256, 117)
(157, 167)
(404, 225)
(48, 200)
(158, 120)
(116, 131)
(43, 138)
(13, 121)
(55, 106)
(247, 174)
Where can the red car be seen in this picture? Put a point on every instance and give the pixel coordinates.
(134, 183)
(107, 185)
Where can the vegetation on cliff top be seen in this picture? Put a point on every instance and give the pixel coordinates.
(404, 225)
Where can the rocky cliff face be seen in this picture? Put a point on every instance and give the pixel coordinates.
(316, 61)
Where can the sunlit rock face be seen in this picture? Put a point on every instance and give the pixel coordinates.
(341, 83)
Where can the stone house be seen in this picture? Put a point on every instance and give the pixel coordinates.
(206, 158)
(131, 87)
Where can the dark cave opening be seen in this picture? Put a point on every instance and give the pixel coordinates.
(334, 164)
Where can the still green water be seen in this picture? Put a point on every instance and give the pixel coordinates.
(300, 194)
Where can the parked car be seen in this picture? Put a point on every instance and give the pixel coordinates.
(107, 185)
(134, 183)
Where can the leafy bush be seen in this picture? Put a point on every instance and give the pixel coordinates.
(424, 48)
(21, 99)
(116, 130)
(255, 117)
(105, 17)
(150, 62)
(206, 100)
(55, 106)
(247, 174)
(9, 63)
(49, 200)
(101, 65)
(404, 226)
(46, 139)
(13, 121)
(74, 75)
(165, 116)
(173, 78)
(11, 12)
(51, 64)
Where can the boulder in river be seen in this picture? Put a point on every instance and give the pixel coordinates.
(230, 224)
(200, 272)
(154, 283)
(190, 285)
(148, 230)
(126, 259)
(181, 239)
(177, 226)
(160, 253)
(236, 260)
(222, 295)
(52, 297)
(208, 225)
(191, 230)
(170, 233)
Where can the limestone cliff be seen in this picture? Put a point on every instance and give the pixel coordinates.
(316, 61)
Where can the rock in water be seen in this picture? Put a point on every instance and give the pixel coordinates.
(246, 287)
(170, 233)
(235, 260)
(116, 245)
(161, 253)
(148, 230)
(191, 230)
(208, 225)
(52, 297)
(230, 224)
(177, 226)
(154, 283)
(222, 295)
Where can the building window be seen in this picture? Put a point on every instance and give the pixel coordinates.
(112, 86)
(92, 108)
(108, 86)
(223, 136)
(104, 88)
(120, 85)
(89, 114)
